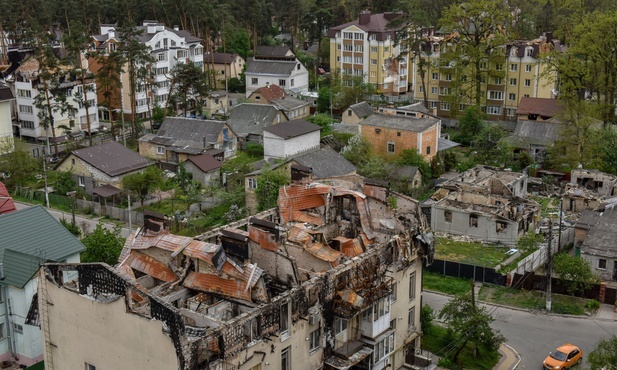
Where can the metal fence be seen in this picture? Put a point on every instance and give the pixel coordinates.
(466, 271)
(538, 258)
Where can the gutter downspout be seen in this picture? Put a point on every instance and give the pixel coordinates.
(8, 323)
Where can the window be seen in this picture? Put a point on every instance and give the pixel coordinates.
(529, 52)
(284, 319)
(25, 109)
(497, 80)
(27, 124)
(435, 76)
(383, 348)
(358, 60)
(448, 77)
(281, 82)
(421, 89)
(513, 67)
(286, 359)
(82, 181)
(482, 65)
(411, 317)
(358, 36)
(526, 95)
(348, 47)
(358, 48)
(473, 220)
(24, 93)
(528, 68)
(513, 82)
(373, 49)
(18, 328)
(447, 216)
(90, 366)
(495, 95)
(390, 147)
(433, 104)
(602, 264)
(512, 97)
(347, 59)
(377, 131)
(373, 37)
(349, 112)
(434, 90)
(428, 150)
(165, 43)
(398, 133)
(444, 91)
(254, 81)
(1, 331)
(373, 61)
(393, 294)
(112, 47)
(251, 183)
(501, 227)
(412, 286)
(315, 339)
(348, 35)
(161, 57)
(340, 325)
(160, 150)
(493, 110)
(386, 49)
(445, 106)
(498, 67)
(373, 74)
(527, 82)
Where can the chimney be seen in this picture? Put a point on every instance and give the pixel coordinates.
(176, 28)
(549, 37)
(365, 17)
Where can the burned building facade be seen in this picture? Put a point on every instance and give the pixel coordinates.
(331, 279)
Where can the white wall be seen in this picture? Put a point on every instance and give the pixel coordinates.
(6, 127)
(277, 147)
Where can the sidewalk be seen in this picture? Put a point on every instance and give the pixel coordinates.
(509, 359)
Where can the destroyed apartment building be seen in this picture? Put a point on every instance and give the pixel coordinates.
(483, 203)
(330, 279)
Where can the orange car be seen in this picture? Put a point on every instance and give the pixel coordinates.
(564, 357)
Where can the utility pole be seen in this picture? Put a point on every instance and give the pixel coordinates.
(549, 265)
(130, 224)
(560, 219)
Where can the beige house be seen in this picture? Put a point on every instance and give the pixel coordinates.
(217, 102)
(104, 164)
(224, 65)
(337, 292)
(357, 112)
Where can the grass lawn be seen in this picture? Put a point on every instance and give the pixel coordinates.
(532, 300)
(438, 338)
(166, 206)
(445, 284)
(485, 255)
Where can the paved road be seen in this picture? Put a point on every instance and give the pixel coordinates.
(89, 223)
(534, 335)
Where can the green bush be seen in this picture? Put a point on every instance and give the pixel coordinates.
(592, 305)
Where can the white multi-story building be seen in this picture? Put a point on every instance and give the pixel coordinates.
(28, 84)
(6, 119)
(168, 47)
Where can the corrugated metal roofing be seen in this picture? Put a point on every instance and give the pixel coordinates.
(219, 58)
(210, 283)
(270, 67)
(252, 118)
(112, 158)
(362, 109)
(326, 162)
(151, 266)
(34, 237)
(187, 134)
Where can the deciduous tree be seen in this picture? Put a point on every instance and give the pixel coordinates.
(604, 356)
(575, 271)
(103, 245)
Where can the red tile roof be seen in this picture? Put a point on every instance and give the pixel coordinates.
(271, 92)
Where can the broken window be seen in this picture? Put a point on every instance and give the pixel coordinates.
(251, 330)
(447, 215)
(501, 226)
(473, 220)
(89, 366)
(284, 320)
(286, 359)
(602, 264)
(412, 318)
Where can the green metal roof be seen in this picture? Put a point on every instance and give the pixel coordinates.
(30, 237)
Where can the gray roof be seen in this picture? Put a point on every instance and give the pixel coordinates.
(272, 51)
(5, 93)
(345, 128)
(289, 103)
(416, 107)
(270, 67)
(112, 158)
(249, 118)
(22, 250)
(534, 133)
(186, 135)
(325, 163)
(406, 172)
(600, 240)
(445, 144)
(293, 128)
(362, 109)
(399, 122)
